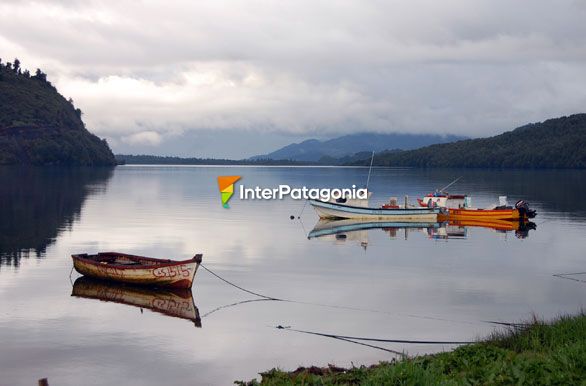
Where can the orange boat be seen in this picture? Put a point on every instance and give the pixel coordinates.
(458, 208)
(140, 270)
(519, 212)
(480, 215)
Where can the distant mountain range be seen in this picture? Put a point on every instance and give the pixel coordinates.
(555, 143)
(345, 147)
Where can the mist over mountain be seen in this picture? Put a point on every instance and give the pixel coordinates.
(313, 150)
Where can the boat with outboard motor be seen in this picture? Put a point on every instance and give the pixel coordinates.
(520, 212)
(458, 207)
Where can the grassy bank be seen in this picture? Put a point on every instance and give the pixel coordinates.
(539, 353)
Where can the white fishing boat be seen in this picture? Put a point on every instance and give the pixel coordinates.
(332, 210)
(346, 208)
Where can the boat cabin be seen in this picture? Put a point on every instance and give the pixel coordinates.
(445, 200)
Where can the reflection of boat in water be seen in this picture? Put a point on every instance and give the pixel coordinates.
(332, 227)
(447, 231)
(521, 228)
(134, 269)
(177, 303)
(357, 230)
(499, 225)
(455, 229)
(333, 210)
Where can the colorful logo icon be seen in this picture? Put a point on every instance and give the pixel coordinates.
(226, 185)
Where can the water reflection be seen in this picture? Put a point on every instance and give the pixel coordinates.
(422, 289)
(177, 303)
(343, 230)
(520, 228)
(37, 203)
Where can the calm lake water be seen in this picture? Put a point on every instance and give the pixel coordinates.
(434, 284)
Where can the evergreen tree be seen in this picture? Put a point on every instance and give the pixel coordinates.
(40, 75)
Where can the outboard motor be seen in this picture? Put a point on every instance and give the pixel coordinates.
(524, 228)
(523, 207)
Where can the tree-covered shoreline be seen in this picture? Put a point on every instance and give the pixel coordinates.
(558, 143)
(38, 126)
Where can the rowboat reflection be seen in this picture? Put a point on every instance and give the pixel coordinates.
(177, 303)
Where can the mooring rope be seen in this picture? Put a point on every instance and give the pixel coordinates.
(343, 338)
(508, 324)
(406, 341)
(234, 304)
(303, 228)
(240, 288)
(567, 276)
(370, 345)
(302, 209)
(265, 297)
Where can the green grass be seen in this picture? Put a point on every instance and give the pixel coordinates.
(537, 354)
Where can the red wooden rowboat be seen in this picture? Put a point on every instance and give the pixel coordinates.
(132, 269)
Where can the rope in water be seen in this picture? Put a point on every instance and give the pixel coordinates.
(567, 276)
(406, 341)
(240, 288)
(265, 297)
(233, 305)
(370, 345)
(353, 339)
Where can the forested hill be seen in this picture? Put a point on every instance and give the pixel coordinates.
(555, 143)
(38, 126)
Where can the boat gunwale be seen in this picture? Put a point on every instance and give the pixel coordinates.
(486, 213)
(481, 210)
(435, 210)
(83, 257)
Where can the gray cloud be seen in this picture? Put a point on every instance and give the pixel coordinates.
(151, 72)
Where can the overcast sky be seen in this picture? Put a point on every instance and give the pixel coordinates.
(237, 78)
